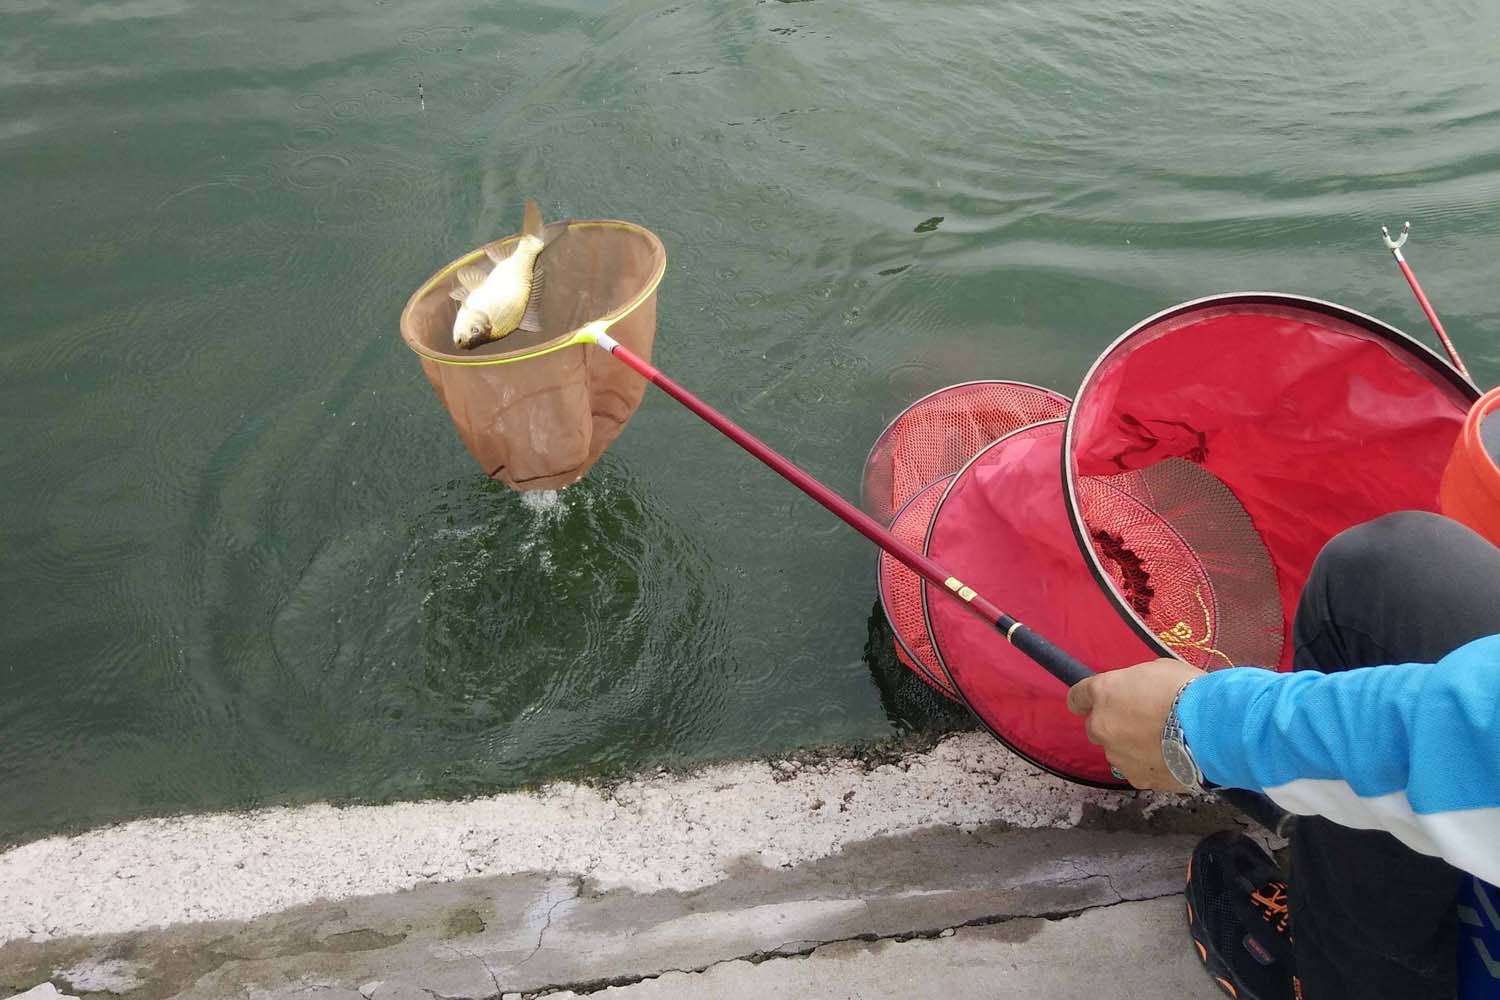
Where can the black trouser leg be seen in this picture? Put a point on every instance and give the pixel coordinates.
(1370, 917)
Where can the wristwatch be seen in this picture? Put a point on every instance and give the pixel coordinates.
(1175, 752)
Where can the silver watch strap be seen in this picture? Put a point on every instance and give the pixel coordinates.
(1172, 734)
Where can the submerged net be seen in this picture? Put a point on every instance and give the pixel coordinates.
(541, 423)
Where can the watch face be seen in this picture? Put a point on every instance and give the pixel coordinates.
(1180, 763)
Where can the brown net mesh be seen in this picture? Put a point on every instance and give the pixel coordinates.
(1181, 552)
(937, 434)
(901, 589)
(541, 423)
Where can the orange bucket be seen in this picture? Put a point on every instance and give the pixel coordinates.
(1470, 493)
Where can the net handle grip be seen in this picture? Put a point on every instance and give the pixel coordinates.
(1056, 661)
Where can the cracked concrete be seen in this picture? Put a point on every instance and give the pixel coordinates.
(1127, 951)
(808, 948)
(535, 934)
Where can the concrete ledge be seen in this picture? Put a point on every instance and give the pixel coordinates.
(578, 889)
(659, 832)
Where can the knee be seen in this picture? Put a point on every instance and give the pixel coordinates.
(1391, 545)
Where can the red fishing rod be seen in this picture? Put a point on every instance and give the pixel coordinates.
(1394, 246)
(1057, 662)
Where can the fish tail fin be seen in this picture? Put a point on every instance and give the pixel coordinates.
(531, 223)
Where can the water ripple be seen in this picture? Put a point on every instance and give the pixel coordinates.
(250, 560)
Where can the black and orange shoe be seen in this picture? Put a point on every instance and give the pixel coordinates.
(1237, 915)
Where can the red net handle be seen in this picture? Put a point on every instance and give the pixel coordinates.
(1055, 661)
(1058, 662)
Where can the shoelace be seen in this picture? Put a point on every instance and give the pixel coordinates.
(1270, 900)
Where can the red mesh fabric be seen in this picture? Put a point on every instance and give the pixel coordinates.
(937, 434)
(1003, 529)
(901, 589)
(1251, 429)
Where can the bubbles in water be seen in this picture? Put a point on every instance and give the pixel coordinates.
(545, 503)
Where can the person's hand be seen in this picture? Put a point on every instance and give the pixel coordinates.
(1127, 710)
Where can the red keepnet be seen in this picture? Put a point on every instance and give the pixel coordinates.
(1252, 429)
(1176, 509)
(901, 589)
(1002, 528)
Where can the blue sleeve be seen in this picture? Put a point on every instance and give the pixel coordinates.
(1412, 748)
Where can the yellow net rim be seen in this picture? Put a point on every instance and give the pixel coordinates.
(582, 335)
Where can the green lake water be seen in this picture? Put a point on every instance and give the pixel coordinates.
(245, 560)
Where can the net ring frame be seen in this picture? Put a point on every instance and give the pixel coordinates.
(943, 684)
(1439, 364)
(893, 513)
(576, 337)
(884, 435)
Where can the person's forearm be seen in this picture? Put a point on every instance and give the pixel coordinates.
(1413, 749)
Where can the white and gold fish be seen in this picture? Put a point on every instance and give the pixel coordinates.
(507, 299)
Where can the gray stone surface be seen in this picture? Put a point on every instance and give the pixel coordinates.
(1130, 951)
(100, 975)
(1024, 902)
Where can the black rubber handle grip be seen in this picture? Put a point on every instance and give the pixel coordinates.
(1056, 662)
